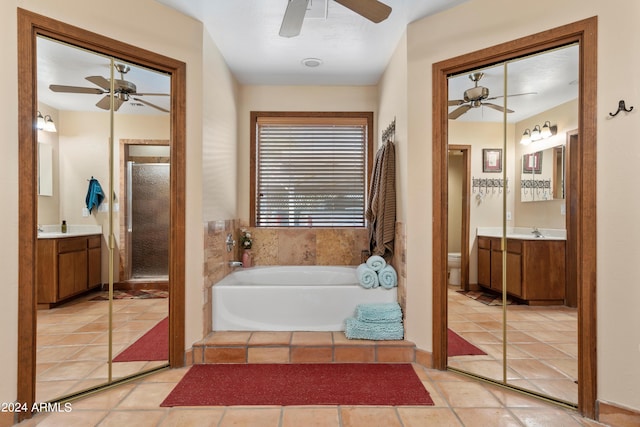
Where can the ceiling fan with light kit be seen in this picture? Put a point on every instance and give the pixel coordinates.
(476, 97)
(373, 10)
(124, 90)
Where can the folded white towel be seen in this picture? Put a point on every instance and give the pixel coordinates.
(387, 277)
(367, 277)
(376, 262)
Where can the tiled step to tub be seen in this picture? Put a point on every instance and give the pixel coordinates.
(297, 347)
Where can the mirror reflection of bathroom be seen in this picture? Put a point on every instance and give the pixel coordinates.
(74, 211)
(516, 188)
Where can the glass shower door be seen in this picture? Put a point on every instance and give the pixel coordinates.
(148, 220)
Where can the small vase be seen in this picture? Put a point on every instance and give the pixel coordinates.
(246, 258)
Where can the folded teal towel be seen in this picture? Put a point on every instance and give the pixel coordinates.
(376, 262)
(380, 312)
(356, 329)
(388, 277)
(366, 276)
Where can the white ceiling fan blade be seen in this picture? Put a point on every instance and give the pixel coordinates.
(100, 81)
(293, 17)
(459, 111)
(76, 89)
(497, 107)
(152, 105)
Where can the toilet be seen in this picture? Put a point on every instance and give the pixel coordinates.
(453, 265)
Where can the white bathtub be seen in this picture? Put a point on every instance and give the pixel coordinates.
(291, 298)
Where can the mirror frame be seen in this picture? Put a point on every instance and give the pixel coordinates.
(583, 260)
(31, 25)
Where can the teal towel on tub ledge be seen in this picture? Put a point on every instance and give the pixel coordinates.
(379, 312)
(387, 277)
(367, 277)
(355, 329)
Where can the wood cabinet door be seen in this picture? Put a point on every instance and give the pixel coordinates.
(72, 273)
(94, 267)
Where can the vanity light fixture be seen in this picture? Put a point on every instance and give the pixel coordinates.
(45, 123)
(548, 130)
(39, 121)
(537, 134)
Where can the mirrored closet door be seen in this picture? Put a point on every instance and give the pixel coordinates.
(512, 315)
(95, 323)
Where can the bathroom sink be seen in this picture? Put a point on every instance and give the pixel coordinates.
(54, 232)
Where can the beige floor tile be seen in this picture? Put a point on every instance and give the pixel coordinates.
(251, 417)
(205, 417)
(366, 416)
(483, 417)
(467, 394)
(73, 419)
(146, 418)
(420, 417)
(146, 396)
(545, 417)
(310, 417)
(106, 399)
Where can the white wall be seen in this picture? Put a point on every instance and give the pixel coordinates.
(486, 210)
(478, 26)
(392, 100)
(182, 42)
(219, 137)
(292, 98)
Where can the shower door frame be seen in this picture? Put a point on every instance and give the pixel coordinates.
(125, 258)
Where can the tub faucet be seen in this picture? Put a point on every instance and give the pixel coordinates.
(234, 264)
(536, 232)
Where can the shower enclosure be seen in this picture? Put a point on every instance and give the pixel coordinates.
(147, 219)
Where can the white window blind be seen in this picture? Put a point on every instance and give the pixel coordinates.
(311, 174)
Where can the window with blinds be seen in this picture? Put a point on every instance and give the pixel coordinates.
(311, 171)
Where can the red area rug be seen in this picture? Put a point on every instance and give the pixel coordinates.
(378, 384)
(458, 346)
(154, 345)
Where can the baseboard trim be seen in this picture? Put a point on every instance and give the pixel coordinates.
(618, 416)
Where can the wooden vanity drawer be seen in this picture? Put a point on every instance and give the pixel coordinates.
(94, 242)
(72, 244)
(514, 246)
(484, 243)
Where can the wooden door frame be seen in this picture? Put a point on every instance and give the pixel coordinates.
(31, 25)
(466, 215)
(585, 33)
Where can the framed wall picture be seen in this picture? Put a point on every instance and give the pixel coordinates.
(532, 163)
(492, 160)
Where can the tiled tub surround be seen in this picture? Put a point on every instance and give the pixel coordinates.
(297, 347)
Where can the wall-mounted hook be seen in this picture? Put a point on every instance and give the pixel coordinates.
(621, 107)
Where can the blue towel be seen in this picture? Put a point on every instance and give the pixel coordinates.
(367, 277)
(95, 195)
(356, 329)
(376, 262)
(380, 312)
(388, 277)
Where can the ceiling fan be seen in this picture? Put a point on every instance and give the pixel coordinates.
(373, 10)
(476, 96)
(124, 90)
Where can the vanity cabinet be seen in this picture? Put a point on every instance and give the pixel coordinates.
(67, 267)
(535, 268)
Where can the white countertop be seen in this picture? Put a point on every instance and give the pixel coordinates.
(54, 231)
(523, 233)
